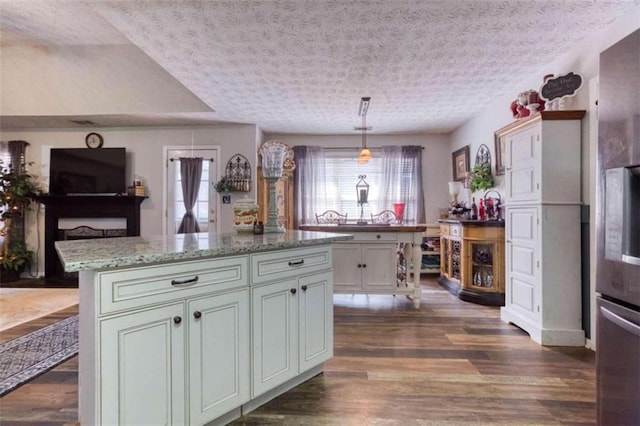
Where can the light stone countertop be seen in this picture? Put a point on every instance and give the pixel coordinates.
(105, 253)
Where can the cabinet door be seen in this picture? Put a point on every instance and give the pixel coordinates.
(274, 334)
(347, 274)
(523, 168)
(379, 266)
(480, 273)
(315, 320)
(142, 367)
(522, 269)
(218, 355)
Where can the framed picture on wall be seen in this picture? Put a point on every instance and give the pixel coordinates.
(460, 162)
(499, 141)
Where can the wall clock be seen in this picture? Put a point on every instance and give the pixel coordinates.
(94, 140)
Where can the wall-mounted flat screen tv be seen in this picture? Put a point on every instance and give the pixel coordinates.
(74, 171)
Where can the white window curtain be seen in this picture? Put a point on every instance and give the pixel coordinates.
(326, 180)
(402, 180)
(310, 182)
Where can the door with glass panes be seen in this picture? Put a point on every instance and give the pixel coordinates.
(206, 207)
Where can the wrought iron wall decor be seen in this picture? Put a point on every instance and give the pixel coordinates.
(238, 173)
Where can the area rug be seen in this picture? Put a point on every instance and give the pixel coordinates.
(33, 354)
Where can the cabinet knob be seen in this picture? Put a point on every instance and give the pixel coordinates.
(293, 291)
(359, 265)
(378, 236)
(304, 288)
(364, 265)
(177, 319)
(197, 314)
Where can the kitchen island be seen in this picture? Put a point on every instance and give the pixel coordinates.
(198, 328)
(368, 263)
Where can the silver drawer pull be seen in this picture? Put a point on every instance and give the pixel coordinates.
(189, 281)
(296, 263)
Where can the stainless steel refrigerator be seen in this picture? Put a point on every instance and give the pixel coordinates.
(618, 235)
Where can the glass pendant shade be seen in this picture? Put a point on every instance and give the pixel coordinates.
(365, 156)
(273, 160)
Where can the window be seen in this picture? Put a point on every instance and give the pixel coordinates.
(339, 188)
(201, 208)
(391, 176)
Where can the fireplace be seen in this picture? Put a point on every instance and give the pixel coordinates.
(81, 206)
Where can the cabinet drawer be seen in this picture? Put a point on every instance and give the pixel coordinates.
(455, 230)
(137, 287)
(444, 229)
(289, 263)
(374, 236)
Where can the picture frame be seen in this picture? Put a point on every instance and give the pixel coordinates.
(500, 148)
(460, 163)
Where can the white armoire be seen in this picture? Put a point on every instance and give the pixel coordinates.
(542, 227)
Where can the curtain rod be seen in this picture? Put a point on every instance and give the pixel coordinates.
(176, 159)
(356, 148)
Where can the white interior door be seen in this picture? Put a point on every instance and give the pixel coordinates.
(206, 208)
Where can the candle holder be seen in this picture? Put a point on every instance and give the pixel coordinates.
(362, 190)
(273, 156)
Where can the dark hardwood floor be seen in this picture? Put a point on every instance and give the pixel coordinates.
(447, 363)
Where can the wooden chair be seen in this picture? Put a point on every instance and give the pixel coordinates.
(384, 217)
(331, 217)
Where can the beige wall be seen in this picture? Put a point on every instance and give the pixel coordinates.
(144, 157)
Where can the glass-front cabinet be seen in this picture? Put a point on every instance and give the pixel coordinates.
(472, 260)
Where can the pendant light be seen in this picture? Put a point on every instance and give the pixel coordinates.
(365, 154)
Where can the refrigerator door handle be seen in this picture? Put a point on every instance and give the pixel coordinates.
(631, 259)
(620, 322)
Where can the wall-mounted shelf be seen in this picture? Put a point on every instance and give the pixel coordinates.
(238, 173)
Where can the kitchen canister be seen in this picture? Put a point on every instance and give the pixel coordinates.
(245, 214)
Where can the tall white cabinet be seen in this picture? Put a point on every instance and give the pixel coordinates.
(542, 224)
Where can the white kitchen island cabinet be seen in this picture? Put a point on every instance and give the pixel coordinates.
(165, 323)
(368, 263)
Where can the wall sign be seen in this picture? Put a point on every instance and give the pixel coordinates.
(561, 87)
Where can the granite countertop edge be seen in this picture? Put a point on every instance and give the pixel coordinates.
(72, 262)
(470, 222)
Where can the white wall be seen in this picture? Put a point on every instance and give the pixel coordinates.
(86, 80)
(144, 158)
(436, 164)
(583, 60)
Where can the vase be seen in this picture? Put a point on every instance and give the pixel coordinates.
(398, 209)
(8, 275)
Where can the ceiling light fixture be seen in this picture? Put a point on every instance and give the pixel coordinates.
(365, 154)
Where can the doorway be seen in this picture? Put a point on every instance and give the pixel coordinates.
(206, 207)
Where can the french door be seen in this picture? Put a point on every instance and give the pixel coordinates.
(206, 207)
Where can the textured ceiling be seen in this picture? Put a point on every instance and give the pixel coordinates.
(302, 66)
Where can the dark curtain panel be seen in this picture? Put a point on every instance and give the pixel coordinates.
(190, 172)
(413, 155)
(17, 152)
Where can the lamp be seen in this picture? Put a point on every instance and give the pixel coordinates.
(362, 190)
(454, 190)
(273, 156)
(365, 154)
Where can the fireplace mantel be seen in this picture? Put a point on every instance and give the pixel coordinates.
(83, 206)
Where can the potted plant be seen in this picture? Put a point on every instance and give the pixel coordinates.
(224, 185)
(481, 177)
(17, 190)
